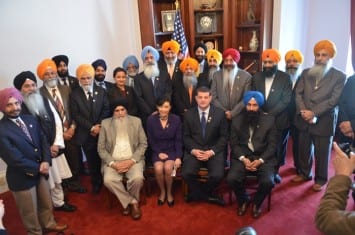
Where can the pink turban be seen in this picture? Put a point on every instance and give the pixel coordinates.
(6, 94)
(233, 53)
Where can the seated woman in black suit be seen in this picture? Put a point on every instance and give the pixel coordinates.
(121, 93)
(164, 133)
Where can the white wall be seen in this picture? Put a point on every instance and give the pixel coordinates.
(84, 30)
(302, 23)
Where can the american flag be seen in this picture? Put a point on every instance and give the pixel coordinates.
(179, 36)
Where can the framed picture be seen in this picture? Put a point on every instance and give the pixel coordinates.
(211, 44)
(206, 22)
(168, 19)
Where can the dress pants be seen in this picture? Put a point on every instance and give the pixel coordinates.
(202, 190)
(322, 147)
(135, 179)
(94, 161)
(236, 180)
(73, 155)
(35, 207)
(281, 148)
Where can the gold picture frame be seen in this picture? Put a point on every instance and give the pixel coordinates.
(211, 43)
(168, 20)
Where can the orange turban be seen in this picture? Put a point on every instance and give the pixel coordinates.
(44, 65)
(272, 54)
(295, 54)
(85, 68)
(327, 45)
(212, 53)
(191, 62)
(171, 45)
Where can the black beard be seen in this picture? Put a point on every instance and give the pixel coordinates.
(270, 71)
(200, 58)
(99, 78)
(253, 117)
(63, 74)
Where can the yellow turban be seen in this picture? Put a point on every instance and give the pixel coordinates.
(43, 66)
(272, 54)
(170, 45)
(327, 45)
(191, 62)
(85, 68)
(212, 53)
(295, 54)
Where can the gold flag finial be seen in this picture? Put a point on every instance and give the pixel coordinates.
(177, 5)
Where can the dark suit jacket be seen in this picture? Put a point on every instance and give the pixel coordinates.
(181, 98)
(115, 95)
(216, 130)
(264, 137)
(64, 93)
(279, 96)
(80, 110)
(23, 156)
(164, 69)
(346, 102)
(145, 93)
(322, 101)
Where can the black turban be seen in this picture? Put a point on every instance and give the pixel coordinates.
(200, 44)
(99, 62)
(59, 58)
(20, 79)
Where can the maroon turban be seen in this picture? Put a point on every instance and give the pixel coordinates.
(233, 53)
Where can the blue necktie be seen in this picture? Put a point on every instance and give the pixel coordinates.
(203, 123)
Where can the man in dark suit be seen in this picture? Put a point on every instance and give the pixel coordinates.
(184, 87)
(25, 150)
(317, 95)
(62, 62)
(170, 63)
(100, 74)
(89, 105)
(205, 138)
(151, 84)
(276, 87)
(253, 143)
(200, 51)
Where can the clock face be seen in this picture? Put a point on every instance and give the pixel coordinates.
(206, 22)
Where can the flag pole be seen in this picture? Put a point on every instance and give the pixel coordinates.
(177, 5)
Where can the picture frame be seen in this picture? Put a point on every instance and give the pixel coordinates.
(206, 23)
(211, 43)
(168, 20)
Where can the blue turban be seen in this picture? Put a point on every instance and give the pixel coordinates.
(152, 50)
(99, 62)
(258, 96)
(131, 59)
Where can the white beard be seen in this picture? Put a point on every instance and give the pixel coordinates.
(189, 80)
(150, 70)
(51, 83)
(228, 75)
(34, 103)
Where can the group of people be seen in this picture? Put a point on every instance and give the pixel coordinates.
(190, 113)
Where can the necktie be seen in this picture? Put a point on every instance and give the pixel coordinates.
(65, 81)
(203, 123)
(91, 103)
(23, 128)
(103, 85)
(58, 104)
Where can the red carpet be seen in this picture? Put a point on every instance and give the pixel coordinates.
(292, 212)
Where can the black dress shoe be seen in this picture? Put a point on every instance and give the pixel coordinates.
(66, 208)
(160, 202)
(216, 200)
(170, 203)
(277, 178)
(256, 212)
(243, 208)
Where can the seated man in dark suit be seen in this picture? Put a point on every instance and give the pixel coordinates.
(253, 143)
(205, 137)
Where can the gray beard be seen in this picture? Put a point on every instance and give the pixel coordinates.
(189, 81)
(52, 83)
(121, 126)
(34, 103)
(292, 71)
(227, 74)
(171, 61)
(150, 70)
(131, 74)
(211, 72)
(317, 71)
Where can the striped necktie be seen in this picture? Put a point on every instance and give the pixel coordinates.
(23, 128)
